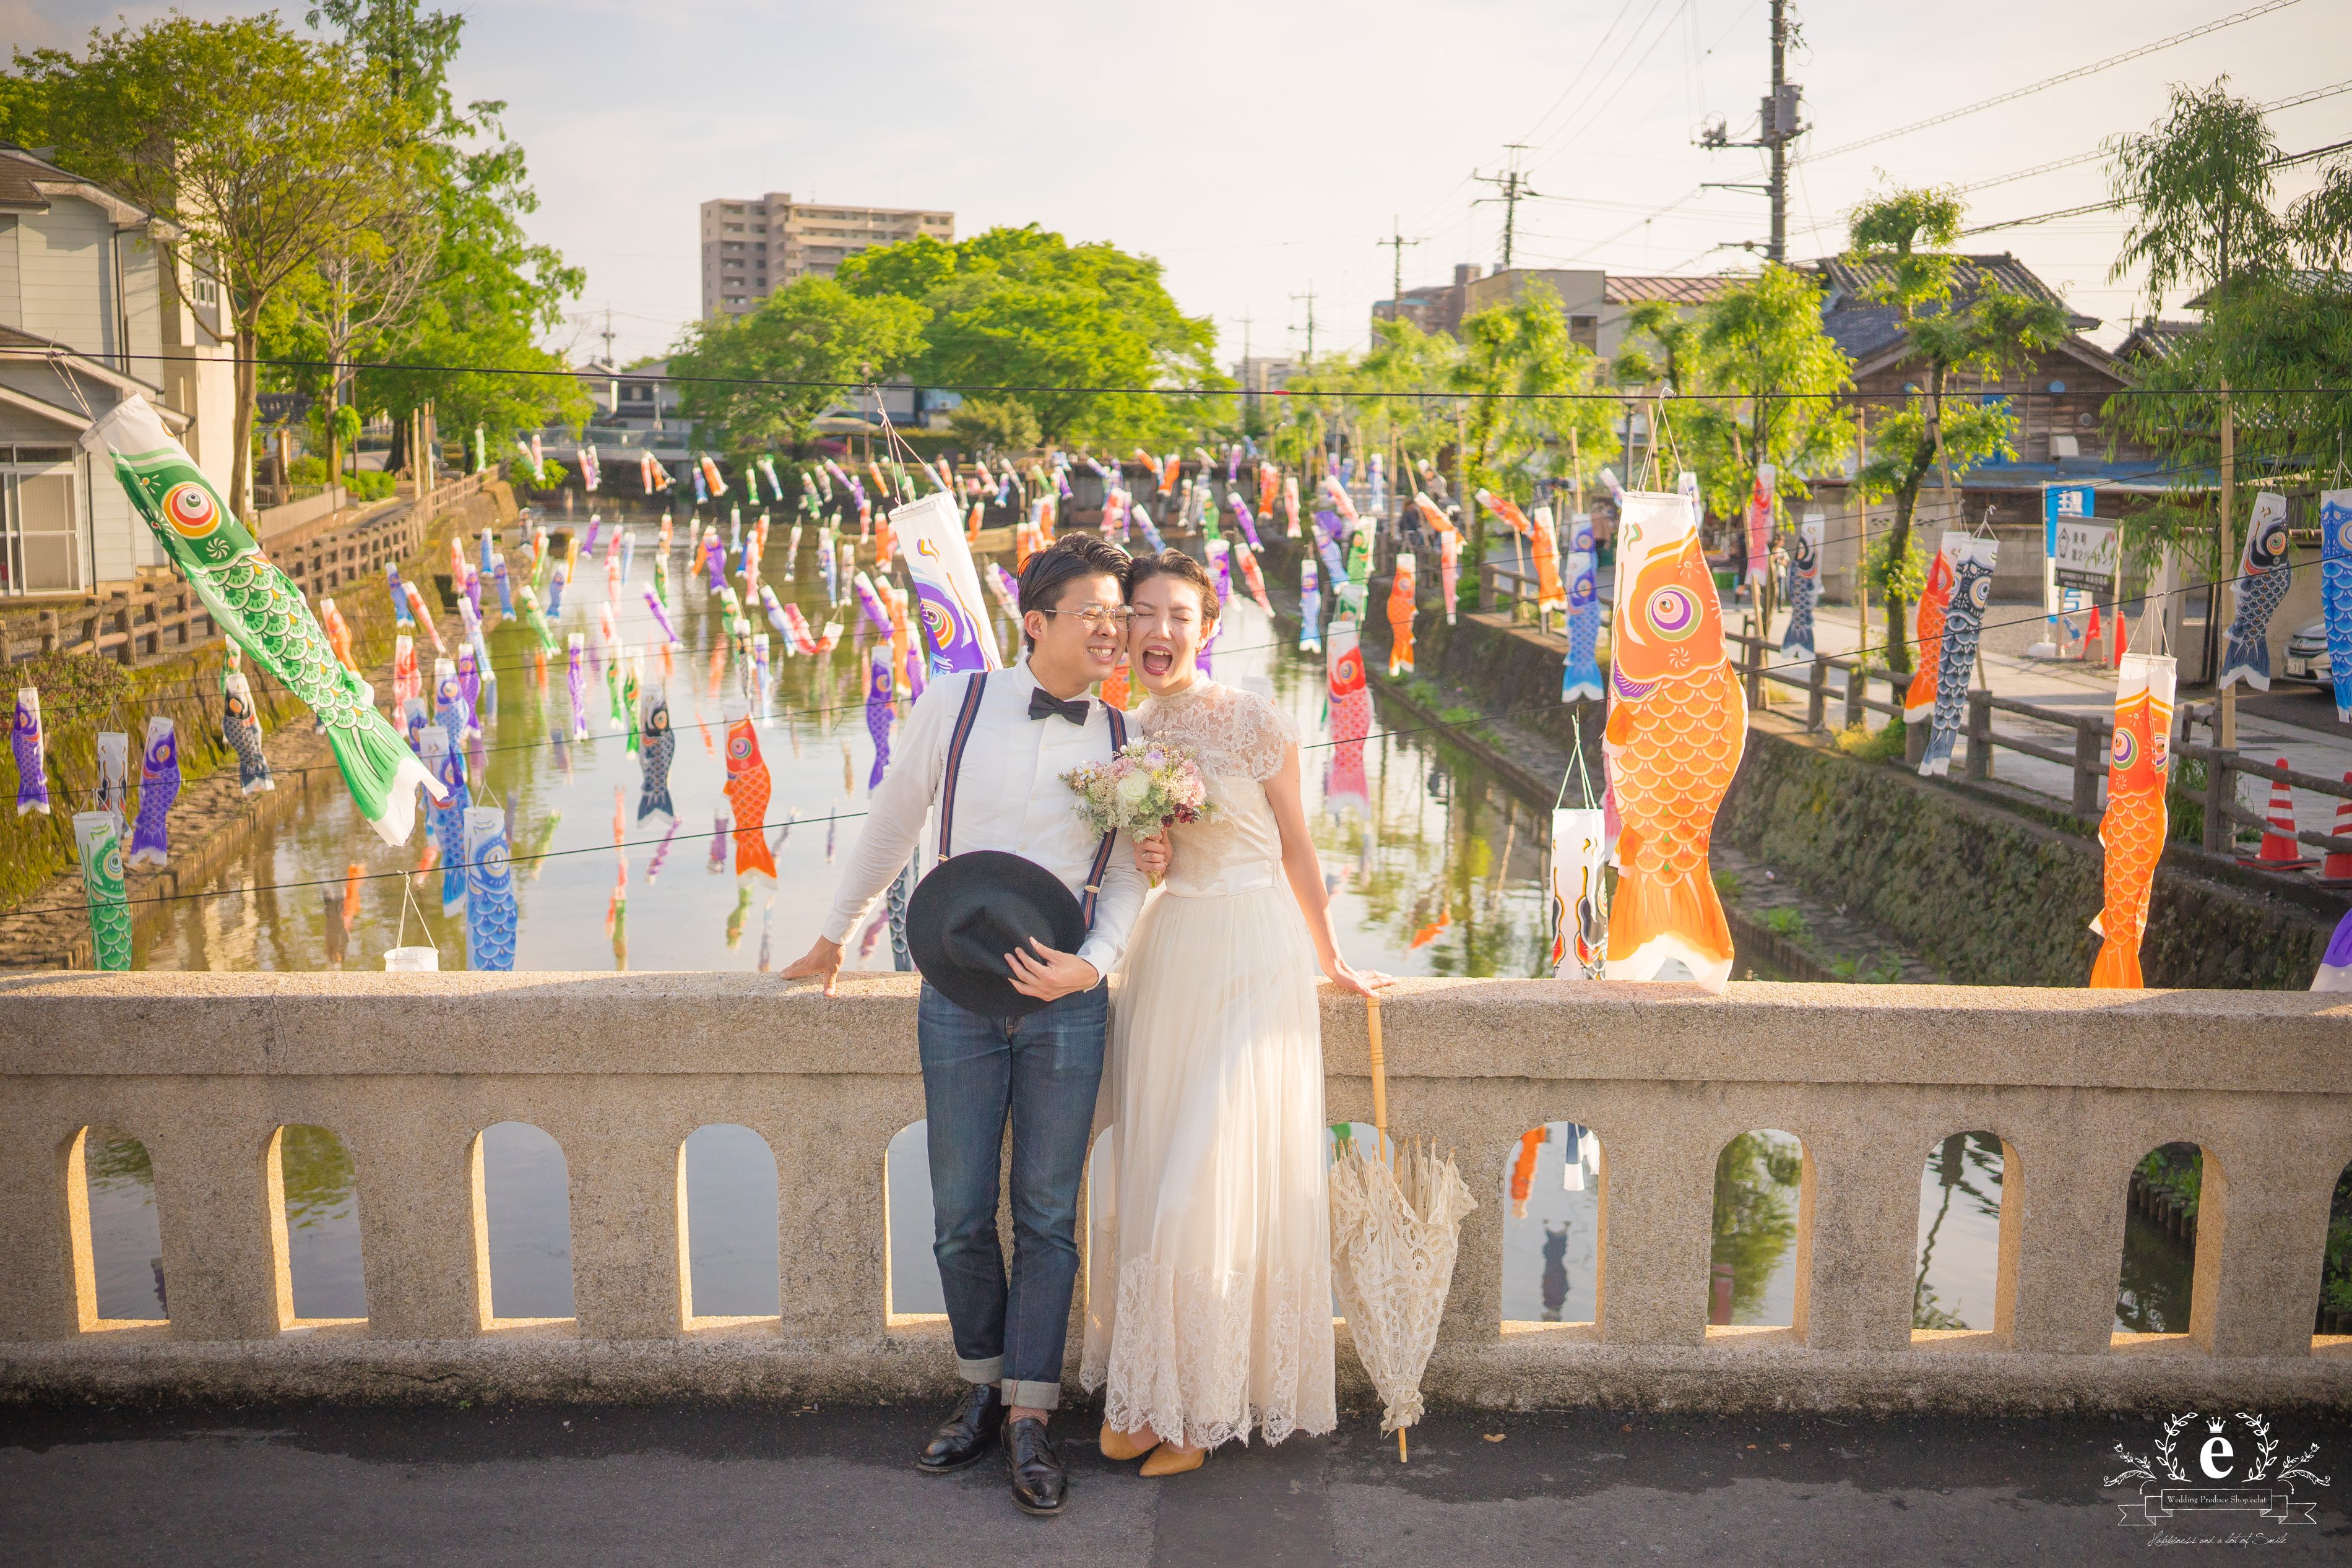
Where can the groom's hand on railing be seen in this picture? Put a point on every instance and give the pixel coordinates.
(822, 962)
(1052, 974)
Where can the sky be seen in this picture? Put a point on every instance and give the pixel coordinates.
(1263, 150)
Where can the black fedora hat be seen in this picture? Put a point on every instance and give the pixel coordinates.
(973, 909)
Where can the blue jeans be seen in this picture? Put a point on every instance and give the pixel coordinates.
(1042, 1071)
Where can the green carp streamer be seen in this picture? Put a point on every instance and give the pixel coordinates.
(260, 607)
(100, 843)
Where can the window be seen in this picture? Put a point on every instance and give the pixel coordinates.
(40, 548)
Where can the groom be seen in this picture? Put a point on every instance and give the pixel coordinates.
(1035, 722)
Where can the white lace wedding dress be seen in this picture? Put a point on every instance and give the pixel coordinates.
(1209, 1288)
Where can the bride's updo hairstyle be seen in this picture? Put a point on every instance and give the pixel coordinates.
(1175, 563)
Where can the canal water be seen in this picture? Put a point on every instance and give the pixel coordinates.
(1435, 868)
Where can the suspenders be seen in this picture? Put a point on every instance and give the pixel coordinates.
(965, 717)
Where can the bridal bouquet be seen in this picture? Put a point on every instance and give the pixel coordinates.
(1141, 791)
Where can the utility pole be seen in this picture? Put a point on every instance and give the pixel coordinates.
(608, 334)
(1514, 185)
(1394, 244)
(1778, 122)
(1309, 298)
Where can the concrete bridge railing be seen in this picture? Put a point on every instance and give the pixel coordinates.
(408, 1070)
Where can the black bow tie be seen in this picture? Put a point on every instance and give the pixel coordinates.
(1043, 704)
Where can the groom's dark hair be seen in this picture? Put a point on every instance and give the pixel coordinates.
(1071, 556)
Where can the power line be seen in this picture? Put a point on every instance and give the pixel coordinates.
(2113, 202)
(2075, 74)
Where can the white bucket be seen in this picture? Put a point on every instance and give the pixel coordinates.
(412, 960)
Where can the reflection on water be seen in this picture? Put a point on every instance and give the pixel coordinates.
(1551, 1226)
(126, 1245)
(527, 1200)
(1753, 1273)
(731, 1204)
(323, 1224)
(2159, 1267)
(1434, 869)
(1959, 1234)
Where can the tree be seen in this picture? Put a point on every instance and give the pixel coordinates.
(2199, 186)
(1083, 334)
(759, 379)
(488, 294)
(1958, 322)
(995, 424)
(264, 150)
(1517, 362)
(1775, 373)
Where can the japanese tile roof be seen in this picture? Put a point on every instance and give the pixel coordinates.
(1866, 330)
(2155, 339)
(1617, 290)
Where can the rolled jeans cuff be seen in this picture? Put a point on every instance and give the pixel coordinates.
(987, 1370)
(1020, 1394)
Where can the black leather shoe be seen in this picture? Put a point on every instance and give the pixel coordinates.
(967, 1435)
(1039, 1481)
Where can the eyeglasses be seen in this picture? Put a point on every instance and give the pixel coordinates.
(1098, 616)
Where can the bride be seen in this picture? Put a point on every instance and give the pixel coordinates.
(1209, 1304)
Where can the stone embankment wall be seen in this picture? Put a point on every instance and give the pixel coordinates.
(408, 1070)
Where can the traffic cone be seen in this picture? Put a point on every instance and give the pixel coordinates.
(2336, 871)
(2091, 636)
(2279, 851)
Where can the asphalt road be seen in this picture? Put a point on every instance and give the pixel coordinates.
(721, 1485)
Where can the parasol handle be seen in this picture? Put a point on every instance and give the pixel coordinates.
(1379, 1074)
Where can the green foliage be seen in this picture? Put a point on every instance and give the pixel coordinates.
(1727, 883)
(265, 149)
(1025, 313)
(779, 367)
(318, 1173)
(1884, 744)
(1990, 333)
(2278, 316)
(2177, 1169)
(1755, 1218)
(1893, 576)
(2184, 801)
(1785, 922)
(995, 424)
(1772, 373)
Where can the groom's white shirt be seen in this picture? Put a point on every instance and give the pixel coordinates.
(1009, 796)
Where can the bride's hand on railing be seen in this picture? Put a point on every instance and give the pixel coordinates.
(1152, 856)
(1363, 982)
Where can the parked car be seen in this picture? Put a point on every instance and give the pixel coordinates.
(2306, 656)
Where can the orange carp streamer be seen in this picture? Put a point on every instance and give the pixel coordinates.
(1400, 608)
(747, 792)
(1676, 724)
(1550, 593)
(2133, 829)
(1927, 652)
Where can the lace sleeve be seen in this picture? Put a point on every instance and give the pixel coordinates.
(1231, 732)
(1268, 734)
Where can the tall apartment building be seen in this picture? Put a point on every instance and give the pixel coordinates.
(754, 246)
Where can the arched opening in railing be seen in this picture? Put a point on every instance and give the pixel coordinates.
(1553, 1227)
(2159, 1262)
(2335, 1268)
(729, 1224)
(317, 1238)
(1758, 1232)
(524, 1249)
(1957, 1284)
(912, 1293)
(118, 1244)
